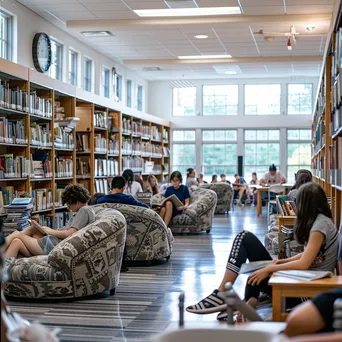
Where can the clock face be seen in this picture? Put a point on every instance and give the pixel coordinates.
(41, 52)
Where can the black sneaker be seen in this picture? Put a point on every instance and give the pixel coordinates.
(213, 303)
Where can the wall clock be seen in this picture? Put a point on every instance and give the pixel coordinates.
(41, 52)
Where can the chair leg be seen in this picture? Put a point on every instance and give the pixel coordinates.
(112, 291)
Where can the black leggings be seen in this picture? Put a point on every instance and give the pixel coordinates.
(247, 246)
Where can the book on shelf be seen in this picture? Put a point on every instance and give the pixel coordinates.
(83, 166)
(64, 137)
(155, 134)
(165, 134)
(112, 167)
(41, 135)
(43, 220)
(13, 166)
(63, 166)
(126, 126)
(166, 151)
(12, 131)
(8, 194)
(82, 142)
(304, 275)
(137, 128)
(100, 119)
(13, 97)
(40, 106)
(254, 266)
(173, 198)
(101, 185)
(40, 165)
(59, 220)
(148, 167)
(42, 198)
(286, 207)
(146, 131)
(126, 146)
(100, 143)
(113, 145)
(134, 163)
(67, 122)
(100, 167)
(59, 188)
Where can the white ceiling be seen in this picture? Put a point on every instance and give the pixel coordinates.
(143, 42)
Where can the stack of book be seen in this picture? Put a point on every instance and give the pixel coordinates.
(40, 106)
(13, 166)
(12, 131)
(285, 206)
(64, 166)
(40, 166)
(100, 143)
(42, 199)
(100, 119)
(13, 97)
(82, 140)
(7, 194)
(18, 214)
(41, 135)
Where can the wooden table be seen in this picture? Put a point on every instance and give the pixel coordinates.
(284, 287)
(261, 189)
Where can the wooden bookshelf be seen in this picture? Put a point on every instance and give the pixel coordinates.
(83, 105)
(327, 124)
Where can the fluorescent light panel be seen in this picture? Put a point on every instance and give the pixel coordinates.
(205, 57)
(188, 12)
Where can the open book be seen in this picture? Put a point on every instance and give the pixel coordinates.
(254, 266)
(305, 275)
(38, 227)
(173, 198)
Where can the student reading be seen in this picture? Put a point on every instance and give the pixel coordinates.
(314, 229)
(32, 242)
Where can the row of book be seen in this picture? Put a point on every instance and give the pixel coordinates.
(100, 119)
(83, 166)
(113, 145)
(41, 135)
(12, 131)
(64, 137)
(126, 126)
(54, 221)
(135, 163)
(155, 133)
(8, 193)
(319, 135)
(285, 206)
(100, 143)
(63, 166)
(13, 166)
(104, 167)
(13, 97)
(40, 106)
(165, 134)
(126, 146)
(42, 198)
(102, 186)
(82, 142)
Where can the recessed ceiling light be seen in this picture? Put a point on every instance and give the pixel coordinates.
(96, 33)
(205, 57)
(230, 72)
(201, 36)
(310, 28)
(188, 12)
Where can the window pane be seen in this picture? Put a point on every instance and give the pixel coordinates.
(218, 135)
(6, 33)
(118, 91)
(73, 66)
(55, 70)
(299, 99)
(250, 135)
(140, 91)
(262, 99)
(299, 134)
(105, 81)
(88, 74)
(183, 157)
(220, 99)
(184, 101)
(184, 135)
(298, 157)
(129, 93)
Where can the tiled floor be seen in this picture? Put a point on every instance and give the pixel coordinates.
(147, 298)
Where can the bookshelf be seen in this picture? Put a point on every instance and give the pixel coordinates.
(327, 123)
(51, 149)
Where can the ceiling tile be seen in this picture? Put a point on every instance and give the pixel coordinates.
(317, 9)
(115, 14)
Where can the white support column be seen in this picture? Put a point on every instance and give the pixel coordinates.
(198, 150)
(283, 151)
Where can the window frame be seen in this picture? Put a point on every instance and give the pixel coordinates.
(140, 98)
(59, 64)
(88, 78)
(262, 84)
(105, 87)
(129, 91)
(287, 98)
(216, 85)
(8, 40)
(73, 68)
(173, 96)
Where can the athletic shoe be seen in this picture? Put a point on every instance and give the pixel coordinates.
(213, 303)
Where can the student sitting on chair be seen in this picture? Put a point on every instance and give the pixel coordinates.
(240, 186)
(314, 229)
(272, 177)
(224, 179)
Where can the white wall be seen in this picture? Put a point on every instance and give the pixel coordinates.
(28, 23)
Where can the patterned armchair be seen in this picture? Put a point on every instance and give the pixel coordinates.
(224, 196)
(85, 263)
(198, 216)
(148, 238)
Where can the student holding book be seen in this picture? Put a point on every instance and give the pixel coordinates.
(169, 211)
(38, 240)
(313, 228)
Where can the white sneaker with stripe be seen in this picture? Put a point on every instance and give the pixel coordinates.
(213, 303)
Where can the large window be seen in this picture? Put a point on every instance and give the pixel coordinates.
(129, 93)
(298, 151)
(73, 67)
(262, 148)
(140, 96)
(118, 87)
(184, 101)
(183, 151)
(56, 68)
(299, 99)
(262, 99)
(105, 81)
(220, 99)
(6, 35)
(219, 153)
(88, 74)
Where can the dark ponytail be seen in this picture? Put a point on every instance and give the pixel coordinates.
(129, 177)
(189, 171)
